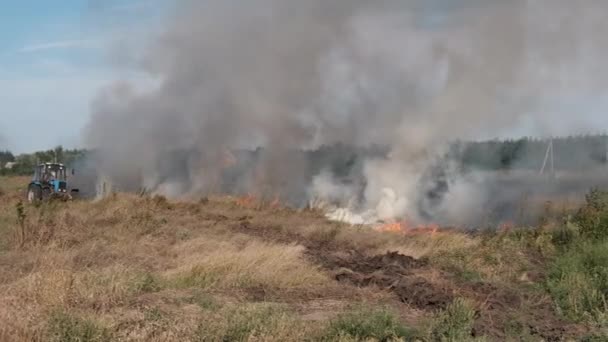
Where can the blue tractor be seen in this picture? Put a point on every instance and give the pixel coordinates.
(50, 181)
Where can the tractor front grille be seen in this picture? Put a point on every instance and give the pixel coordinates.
(63, 186)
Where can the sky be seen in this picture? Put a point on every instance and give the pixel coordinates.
(55, 56)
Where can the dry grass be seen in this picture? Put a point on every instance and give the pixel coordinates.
(127, 266)
(212, 264)
(428, 245)
(138, 268)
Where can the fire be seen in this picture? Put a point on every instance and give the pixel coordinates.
(276, 203)
(391, 227)
(405, 228)
(250, 201)
(227, 159)
(506, 226)
(247, 201)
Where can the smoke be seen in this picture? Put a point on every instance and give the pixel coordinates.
(290, 75)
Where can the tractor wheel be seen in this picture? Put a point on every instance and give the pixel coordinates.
(34, 194)
(47, 194)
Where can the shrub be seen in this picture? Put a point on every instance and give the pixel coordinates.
(565, 236)
(592, 218)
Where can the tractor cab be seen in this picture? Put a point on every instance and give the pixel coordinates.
(48, 172)
(50, 180)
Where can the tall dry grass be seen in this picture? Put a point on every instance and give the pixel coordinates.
(214, 264)
(127, 267)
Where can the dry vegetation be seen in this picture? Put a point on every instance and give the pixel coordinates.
(139, 268)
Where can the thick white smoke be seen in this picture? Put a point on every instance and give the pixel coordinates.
(286, 75)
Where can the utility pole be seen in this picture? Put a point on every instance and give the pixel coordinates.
(606, 159)
(550, 158)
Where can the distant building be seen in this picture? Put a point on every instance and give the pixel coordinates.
(10, 165)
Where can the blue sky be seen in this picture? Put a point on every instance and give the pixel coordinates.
(54, 58)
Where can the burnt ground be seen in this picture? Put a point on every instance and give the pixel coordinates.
(502, 309)
(392, 271)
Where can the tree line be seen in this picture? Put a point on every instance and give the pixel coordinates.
(23, 164)
(573, 153)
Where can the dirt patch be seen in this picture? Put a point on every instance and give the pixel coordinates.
(320, 310)
(501, 309)
(392, 262)
(393, 272)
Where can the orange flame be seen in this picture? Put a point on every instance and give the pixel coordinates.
(276, 202)
(228, 159)
(404, 228)
(395, 227)
(250, 201)
(506, 227)
(247, 201)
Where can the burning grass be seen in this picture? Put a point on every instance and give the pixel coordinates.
(141, 268)
(405, 228)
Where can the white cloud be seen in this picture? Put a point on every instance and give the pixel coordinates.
(133, 6)
(63, 44)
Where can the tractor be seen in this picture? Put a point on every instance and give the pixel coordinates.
(49, 182)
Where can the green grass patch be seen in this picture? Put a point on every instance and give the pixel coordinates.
(64, 327)
(146, 283)
(362, 325)
(7, 230)
(578, 282)
(455, 323)
(198, 277)
(13, 184)
(592, 218)
(599, 337)
(578, 276)
(154, 315)
(257, 322)
(205, 301)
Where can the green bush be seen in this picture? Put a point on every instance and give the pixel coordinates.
(565, 236)
(455, 323)
(63, 327)
(592, 218)
(377, 325)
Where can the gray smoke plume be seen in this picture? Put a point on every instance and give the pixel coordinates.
(288, 75)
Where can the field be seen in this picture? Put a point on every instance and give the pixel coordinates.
(143, 268)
